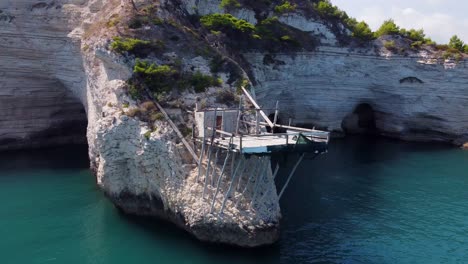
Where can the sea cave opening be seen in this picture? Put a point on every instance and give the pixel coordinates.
(361, 121)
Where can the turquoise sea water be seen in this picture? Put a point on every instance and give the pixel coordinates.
(377, 201)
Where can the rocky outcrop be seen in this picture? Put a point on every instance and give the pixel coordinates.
(57, 73)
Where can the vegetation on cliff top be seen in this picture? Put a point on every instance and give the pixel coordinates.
(161, 79)
(137, 47)
(269, 34)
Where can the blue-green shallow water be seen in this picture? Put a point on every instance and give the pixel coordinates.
(376, 201)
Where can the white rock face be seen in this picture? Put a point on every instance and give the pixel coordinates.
(412, 98)
(313, 27)
(206, 7)
(37, 62)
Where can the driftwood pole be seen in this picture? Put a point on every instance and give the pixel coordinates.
(220, 179)
(210, 152)
(290, 175)
(226, 197)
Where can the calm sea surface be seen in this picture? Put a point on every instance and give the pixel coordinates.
(376, 201)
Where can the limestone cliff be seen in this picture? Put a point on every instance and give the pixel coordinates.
(57, 71)
(410, 97)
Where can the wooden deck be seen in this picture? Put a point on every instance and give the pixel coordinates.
(268, 143)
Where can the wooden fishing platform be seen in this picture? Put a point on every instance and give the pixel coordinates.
(237, 134)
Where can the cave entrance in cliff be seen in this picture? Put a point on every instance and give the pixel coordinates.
(361, 121)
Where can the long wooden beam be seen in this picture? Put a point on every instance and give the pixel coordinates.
(179, 134)
(249, 96)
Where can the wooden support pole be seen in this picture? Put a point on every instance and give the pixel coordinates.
(276, 171)
(214, 167)
(213, 135)
(259, 180)
(226, 196)
(233, 159)
(201, 157)
(222, 121)
(220, 179)
(249, 180)
(210, 151)
(240, 179)
(215, 118)
(291, 174)
(274, 176)
(179, 134)
(240, 146)
(257, 123)
(276, 116)
(193, 131)
(239, 115)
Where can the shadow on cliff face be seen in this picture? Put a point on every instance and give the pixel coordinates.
(62, 157)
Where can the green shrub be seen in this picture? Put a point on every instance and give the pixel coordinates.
(134, 112)
(226, 23)
(256, 36)
(452, 53)
(136, 22)
(417, 44)
(160, 78)
(286, 38)
(241, 83)
(148, 106)
(216, 64)
(413, 34)
(134, 91)
(456, 43)
(148, 134)
(186, 131)
(157, 117)
(158, 72)
(429, 41)
(276, 35)
(226, 97)
(387, 28)
(390, 45)
(286, 7)
(465, 49)
(362, 31)
(113, 21)
(133, 46)
(157, 21)
(230, 4)
(442, 47)
(201, 82)
(326, 9)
